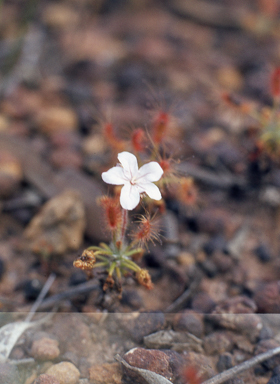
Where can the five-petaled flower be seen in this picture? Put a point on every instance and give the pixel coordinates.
(135, 181)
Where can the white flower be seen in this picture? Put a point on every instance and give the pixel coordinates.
(134, 180)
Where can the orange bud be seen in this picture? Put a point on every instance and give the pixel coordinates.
(109, 283)
(86, 261)
(187, 192)
(160, 127)
(165, 165)
(269, 7)
(144, 278)
(114, 141)
(138, 140)
(275, 82)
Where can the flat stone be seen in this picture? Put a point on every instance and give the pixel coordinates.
(59, 227)
(109, 373)
(139, 325)
(45, 349)
(164, 363)
(46, 379)
(9, 374)
(65, 373)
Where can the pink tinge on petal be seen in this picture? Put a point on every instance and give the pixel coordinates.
(149, 172)
(130, 197)
(151, 190)
(114, 176)
(129, 164)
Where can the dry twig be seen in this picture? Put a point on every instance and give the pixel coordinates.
(232, 372)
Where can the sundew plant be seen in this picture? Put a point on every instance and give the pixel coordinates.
(141, 180)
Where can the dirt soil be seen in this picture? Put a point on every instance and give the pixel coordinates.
(69, 69)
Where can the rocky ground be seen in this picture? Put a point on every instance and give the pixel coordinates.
(68, 69)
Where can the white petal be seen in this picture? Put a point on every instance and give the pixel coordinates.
(130, 197)
(152, 190)
(129, 163)
(150, 172)
(114, 176)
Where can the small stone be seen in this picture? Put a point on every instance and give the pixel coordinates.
(217, 343)
(2, 268)
(214, 221)
(65, 139)
(54, 119)
(266, 333)
(32, 289)
(230, 78)
(225, 362)
(249, 325)
(60, 16)
(94, 144)
(77, 277)
(224, 263)
(215, 243)
(263, 253)
(165, 363)
(274, 380)
(45, 349)
(9, 374)
(209, 268)
(132, 299)
(139, 325)
(4, 123)
(264, 346)
(178, 341)
(58, 227)
(202, 303)
(66, 158)
(267, 297)
(189, 321)
(10, 174)
(65, 373)
(46, 379)
(109, 373)
(238, 305)
(83, 381)
(71, 357)
(73, 335)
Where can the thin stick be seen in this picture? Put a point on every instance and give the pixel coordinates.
(41, 296)
(73, 291)
(186, 295)
(232, 372)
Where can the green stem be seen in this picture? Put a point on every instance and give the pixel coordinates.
(133, 252)
(131, 265)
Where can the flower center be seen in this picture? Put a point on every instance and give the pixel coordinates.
(133, 180)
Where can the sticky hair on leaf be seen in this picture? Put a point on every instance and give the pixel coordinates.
(147, 230)
(113, 213)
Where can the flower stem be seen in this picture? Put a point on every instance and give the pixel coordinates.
(124, 224)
